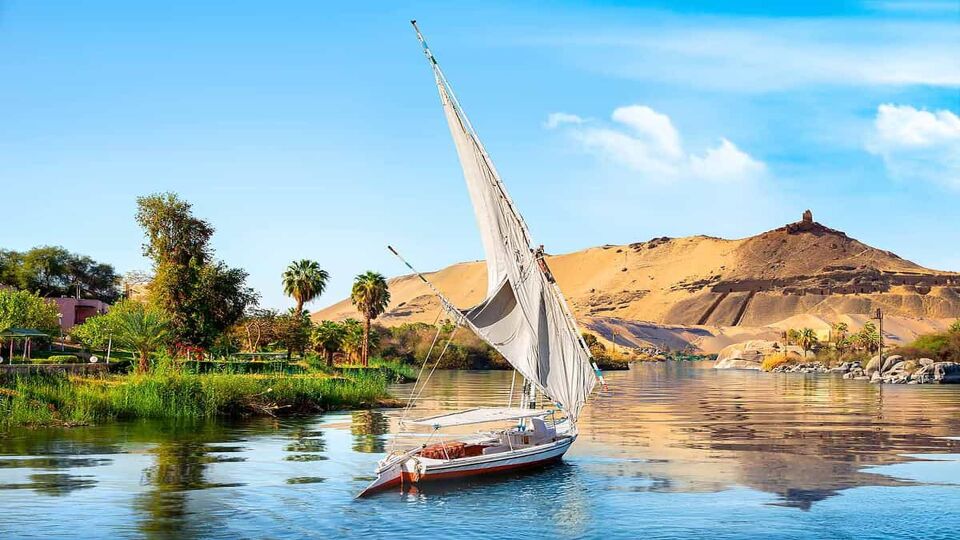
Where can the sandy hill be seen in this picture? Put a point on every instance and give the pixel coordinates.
(702, 286)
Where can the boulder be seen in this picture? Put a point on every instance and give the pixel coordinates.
(891, 361)
(856, 373)
(946, 372)
(937, 373)
(908, 366)
(926, 361)
(736, 363)
(873, 364)
(924, 375)
(746, 355)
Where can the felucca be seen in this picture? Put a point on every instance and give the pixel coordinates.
(524, 317)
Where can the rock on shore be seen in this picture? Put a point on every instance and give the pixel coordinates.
(897, 370)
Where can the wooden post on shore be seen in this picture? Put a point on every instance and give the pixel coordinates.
(879, 317)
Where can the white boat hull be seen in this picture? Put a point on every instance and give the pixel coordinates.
(410, 470)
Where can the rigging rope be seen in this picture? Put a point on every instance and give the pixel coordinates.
(437, 363)
(423, 364)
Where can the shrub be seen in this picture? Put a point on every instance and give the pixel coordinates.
(59, 359)
(944, 346)
(23, 309)
(772, 361)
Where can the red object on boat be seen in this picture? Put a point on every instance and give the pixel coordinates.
(452, 450)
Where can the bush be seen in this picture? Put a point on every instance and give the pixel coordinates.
(772, 361)
(944, 347)
(95, 332)
(23, 309)
(58, 359)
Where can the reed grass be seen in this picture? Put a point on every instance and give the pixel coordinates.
(59, 400)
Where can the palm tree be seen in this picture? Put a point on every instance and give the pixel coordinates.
(807, 339)
(328, 336)
(304, 281)
(868, 337)
(140, 328)
(371, 296)
(352, 338)
(839, 332)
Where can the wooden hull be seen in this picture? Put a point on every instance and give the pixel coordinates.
(411, 470)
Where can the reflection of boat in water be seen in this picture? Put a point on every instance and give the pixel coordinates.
(524, 317)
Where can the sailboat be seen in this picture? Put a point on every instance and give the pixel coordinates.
(525, 317)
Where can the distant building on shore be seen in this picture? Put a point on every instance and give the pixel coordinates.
(74, 311)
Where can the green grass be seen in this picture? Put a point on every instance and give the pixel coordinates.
(57, 400)
(398, 368)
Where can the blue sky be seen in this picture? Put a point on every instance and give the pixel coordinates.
(313, 130)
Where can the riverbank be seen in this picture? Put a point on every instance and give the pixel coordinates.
(65, 400)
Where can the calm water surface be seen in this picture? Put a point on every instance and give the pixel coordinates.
(671, 451)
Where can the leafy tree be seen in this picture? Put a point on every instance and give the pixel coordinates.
(43, 269)
(304, 281)
(371, 296)
(174, 234)
(793, 337)
(95, 332)
(328, 337)
(955, 327)
(293, 332)
(258, 327)
(842, 345)
(204, 297)
(838, 331)
(10, 262)
(24, 309)
(868, 337)
(54, 271)
(141, 328)
(597, 350)
(808, 340)
(353, 339)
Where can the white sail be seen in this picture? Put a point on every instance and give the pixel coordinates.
(524, 315)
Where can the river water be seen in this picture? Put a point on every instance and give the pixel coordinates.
(674, 450)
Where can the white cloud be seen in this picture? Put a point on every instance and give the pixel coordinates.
(655, 128)
(726, 163)
(646, 141)
(769, 54)
(917, 144)
(556, 119)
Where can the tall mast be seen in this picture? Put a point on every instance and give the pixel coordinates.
(446, 91)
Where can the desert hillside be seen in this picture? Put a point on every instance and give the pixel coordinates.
(703, 284)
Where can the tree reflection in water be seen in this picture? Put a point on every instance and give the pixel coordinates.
(180, 467)
(369, 429)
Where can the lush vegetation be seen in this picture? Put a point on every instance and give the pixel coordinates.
(172, 393)
(54, 271)
(940, 346)
(461, 348)
(24, 309)
(131, 325)
(843, 346)
(606, 358)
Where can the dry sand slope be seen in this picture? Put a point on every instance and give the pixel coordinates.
(710, 292)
